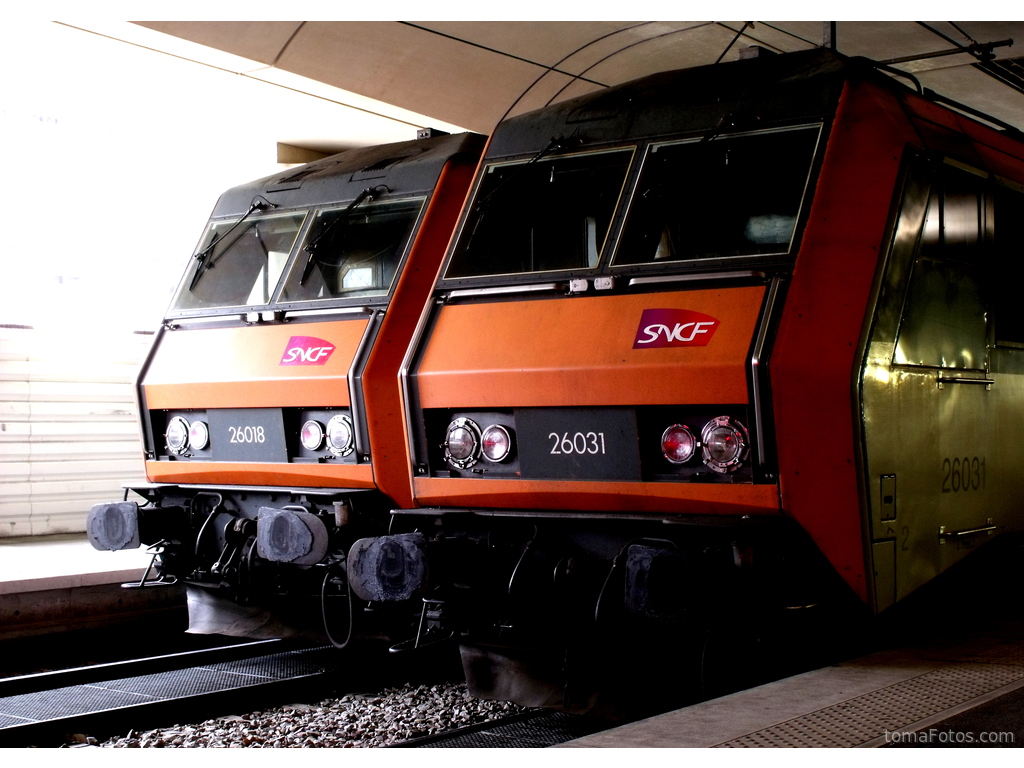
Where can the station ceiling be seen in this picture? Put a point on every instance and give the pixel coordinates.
(470, 73)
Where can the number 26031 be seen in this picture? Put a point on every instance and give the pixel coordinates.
(578, 443)
(963, 474)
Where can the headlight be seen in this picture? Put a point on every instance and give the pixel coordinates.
(339, 435)
(199, 435)
(312, 435)
(177, 435)
(724, 444)
(495, 443)
(462, 443)
(678, 444)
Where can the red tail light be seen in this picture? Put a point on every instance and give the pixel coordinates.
(496, 443)
(678, 444)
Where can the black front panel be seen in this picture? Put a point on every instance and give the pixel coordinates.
(578, 443)
(266, 435)
(618, 444)
(247, 434)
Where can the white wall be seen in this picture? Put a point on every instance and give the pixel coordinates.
(68, 432)
(114, 155)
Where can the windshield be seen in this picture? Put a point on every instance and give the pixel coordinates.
(238, 265)
(728, 196)
(542, 215)
(352, 251)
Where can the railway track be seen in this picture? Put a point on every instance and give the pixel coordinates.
(45, 709)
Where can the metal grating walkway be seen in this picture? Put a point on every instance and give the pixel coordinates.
(536, 729)
(862, 720)
(114, 694)
(855, 704)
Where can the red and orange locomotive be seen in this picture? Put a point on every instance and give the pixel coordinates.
(706, 347)
(270, 408)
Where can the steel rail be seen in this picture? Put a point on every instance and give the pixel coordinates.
(61, 678)
(107, 699)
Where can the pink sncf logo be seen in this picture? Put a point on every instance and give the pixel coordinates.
(306, 350)
(674, 328)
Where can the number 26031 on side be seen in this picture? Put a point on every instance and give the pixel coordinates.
(961, 474)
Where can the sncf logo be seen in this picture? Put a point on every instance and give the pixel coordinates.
(306, 350)
(674, 328)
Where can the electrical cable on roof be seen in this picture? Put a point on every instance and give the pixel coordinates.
(551, 69)
(620, 50)
(733, 42)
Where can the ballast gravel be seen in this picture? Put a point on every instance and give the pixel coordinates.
(355, 720)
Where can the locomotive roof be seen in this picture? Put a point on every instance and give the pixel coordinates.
(407, 167)
(756, 92)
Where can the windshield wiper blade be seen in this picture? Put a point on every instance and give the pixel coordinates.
(557, 144)
(205, 256)
(310, 248)
(731, 122)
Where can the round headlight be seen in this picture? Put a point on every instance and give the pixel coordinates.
(462, 443)
(495, 443)
(678, 444)
(199, 435)
(177, 435)
(339, 435)
(312, 435)
(724, 444)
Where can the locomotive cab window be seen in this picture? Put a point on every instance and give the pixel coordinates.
(541, 216)
(945, 322)
(352, 251)
(726, 196)
(239, 263)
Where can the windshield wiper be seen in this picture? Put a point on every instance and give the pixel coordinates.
(731, 123)
(205, 256)
(556, 144)
(310, 248)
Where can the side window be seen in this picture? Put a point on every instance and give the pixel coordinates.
(1008, 269)
(944, 322)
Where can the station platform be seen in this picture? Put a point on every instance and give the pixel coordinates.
(37, 563)
(960, 692)
(59, 583)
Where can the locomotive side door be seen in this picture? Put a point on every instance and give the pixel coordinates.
(938, 396)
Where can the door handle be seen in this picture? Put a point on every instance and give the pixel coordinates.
(988, 528)
(943, 380)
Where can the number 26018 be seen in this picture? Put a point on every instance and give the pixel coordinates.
(247, 434)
